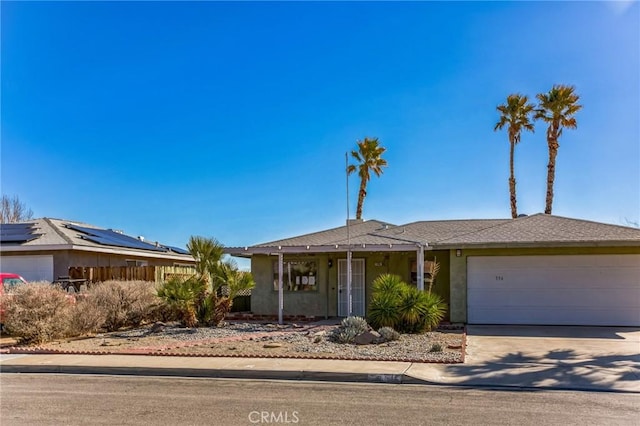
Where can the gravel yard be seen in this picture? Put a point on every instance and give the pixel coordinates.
(245, 339)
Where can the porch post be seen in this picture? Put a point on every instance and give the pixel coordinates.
(280, 290)
(420, 267)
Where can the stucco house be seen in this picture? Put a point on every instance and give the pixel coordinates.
(44, 249)
(538, 269)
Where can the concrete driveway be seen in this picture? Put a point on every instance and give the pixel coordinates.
(587, 358)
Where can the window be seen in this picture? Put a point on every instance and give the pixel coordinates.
(297, 275)
(131, 262)
(431, 268)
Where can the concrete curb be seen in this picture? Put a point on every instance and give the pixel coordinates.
(299, 375)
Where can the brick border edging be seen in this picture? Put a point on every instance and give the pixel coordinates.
(44, 351)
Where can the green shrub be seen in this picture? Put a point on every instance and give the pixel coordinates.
(38, 313)
(403, 307)
(389, 284)
(388, 334)
(124, 303)
(384, 310)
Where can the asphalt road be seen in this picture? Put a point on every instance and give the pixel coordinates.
(48, 399)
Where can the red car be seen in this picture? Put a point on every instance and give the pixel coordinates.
(7, 283)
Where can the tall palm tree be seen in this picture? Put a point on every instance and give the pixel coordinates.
(369, 159)
(515, 114)
(556, 108)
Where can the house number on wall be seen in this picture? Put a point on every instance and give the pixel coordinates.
(499, 278)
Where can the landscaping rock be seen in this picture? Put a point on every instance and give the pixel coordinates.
(272, 345)
(367, 338)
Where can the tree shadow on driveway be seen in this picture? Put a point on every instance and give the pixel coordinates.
(561, 369)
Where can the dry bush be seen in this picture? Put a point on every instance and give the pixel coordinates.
(86, 317)
(38, 313)
(124, 303)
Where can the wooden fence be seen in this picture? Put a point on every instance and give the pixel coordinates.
(130, 273)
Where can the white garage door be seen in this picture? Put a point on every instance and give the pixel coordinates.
(31, 268)
(557, 290)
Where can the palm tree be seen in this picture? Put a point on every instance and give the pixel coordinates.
(369, 159)
(556, 108)
(515, 114)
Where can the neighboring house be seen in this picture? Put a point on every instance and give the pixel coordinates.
(538, 269)
(44, 249)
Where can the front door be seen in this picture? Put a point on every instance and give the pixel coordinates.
(357, 287)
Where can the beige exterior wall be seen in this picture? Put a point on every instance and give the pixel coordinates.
(324, 301)
(64, 259)
(458, 268)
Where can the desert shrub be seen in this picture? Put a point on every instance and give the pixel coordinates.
(358, 324)
(86, 316)
(350, 327)
(403, 307)
(37, 313)
(124, 303)
(436, 347)
(388, 334)
(182, 298)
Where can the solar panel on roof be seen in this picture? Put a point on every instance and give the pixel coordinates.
(111, 238)
(177, 250)
(18, 238)
(16, 228)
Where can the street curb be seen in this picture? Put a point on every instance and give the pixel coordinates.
(299, 375)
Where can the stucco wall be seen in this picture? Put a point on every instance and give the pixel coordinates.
(458, 268)
(324, 301)
(264, 299)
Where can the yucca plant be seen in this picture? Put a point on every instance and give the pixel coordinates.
(384, 310)
(388, 283)
(181, 296)
(420, 311)
(403, 307)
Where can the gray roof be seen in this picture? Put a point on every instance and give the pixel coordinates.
(55, 235)
(360, 232)
(539, 230)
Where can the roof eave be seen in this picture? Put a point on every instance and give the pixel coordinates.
(333, 248)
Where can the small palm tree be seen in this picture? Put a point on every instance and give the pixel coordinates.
(369, 159)
(556, 108)
(515, 114)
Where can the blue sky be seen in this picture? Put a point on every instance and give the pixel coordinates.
(232, 119)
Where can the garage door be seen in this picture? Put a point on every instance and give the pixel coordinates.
(560, 290)
(31, 268)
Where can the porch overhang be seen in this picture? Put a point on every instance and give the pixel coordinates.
(332, 248)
